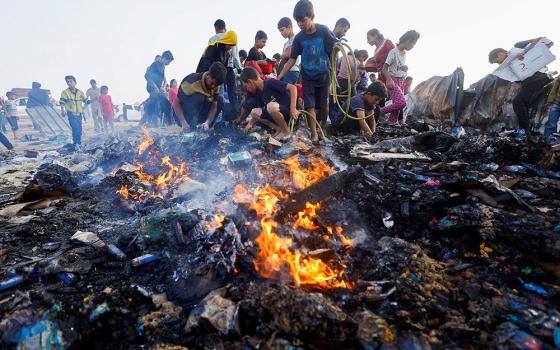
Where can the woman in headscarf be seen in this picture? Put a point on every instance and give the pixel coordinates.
(217, 51)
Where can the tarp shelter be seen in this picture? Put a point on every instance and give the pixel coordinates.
(48, 121)
(486, 105)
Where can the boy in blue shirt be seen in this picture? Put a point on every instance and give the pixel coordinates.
(314, 43)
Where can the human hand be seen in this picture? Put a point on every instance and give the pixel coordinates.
(204, 126)
(294, 114)
(185, 126)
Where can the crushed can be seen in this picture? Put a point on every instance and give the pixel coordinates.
(113, 250)
(143, 260)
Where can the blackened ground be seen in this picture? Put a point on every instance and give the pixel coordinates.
(463, 269)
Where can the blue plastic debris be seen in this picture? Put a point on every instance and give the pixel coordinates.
(557, 228)
(409, 174)
(516, 169)
(541, 172)
(458, 132)
(534, 288)
(115, 251)
(98, 311)
(41, 335)
(143, 260)
(556, 335)
(11, 282)
(525, 341)
(516, 319)
(67, 277)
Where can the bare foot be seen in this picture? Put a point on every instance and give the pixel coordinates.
(282, 135)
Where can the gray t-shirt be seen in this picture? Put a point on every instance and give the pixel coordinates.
(288, 44)
(396, 60)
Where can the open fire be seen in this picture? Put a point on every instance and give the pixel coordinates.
(170, 174)
(277, 254)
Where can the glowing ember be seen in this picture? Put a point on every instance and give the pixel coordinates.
(216, 223)
(125, 193)
(306, 218)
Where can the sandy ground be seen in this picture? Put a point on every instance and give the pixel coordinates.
(26, 127)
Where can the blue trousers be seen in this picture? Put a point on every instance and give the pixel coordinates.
(75, 121)
(551, 125)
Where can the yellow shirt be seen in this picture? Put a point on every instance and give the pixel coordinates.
(73, 102)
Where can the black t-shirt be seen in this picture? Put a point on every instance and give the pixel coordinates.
(255, 55)
(274, 89)
(315, 50)
(191, 78)
(155, 73)
(37, 97)
(215, 53)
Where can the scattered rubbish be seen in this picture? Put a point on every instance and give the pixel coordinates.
(514, 169)
(88, 238)
(388, 221)
(459, 267)
(489, 167)
(458, 132)
(143, 260)
(413, 239)
(534, 288)
(239, 158)
(67, 277)
(11, 282)
(113, 250)
(30, 153)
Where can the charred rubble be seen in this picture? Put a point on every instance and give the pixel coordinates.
(418, 239)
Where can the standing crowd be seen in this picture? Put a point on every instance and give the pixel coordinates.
(249, 88)
(316, 75)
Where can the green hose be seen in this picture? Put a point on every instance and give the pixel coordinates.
(341, 46)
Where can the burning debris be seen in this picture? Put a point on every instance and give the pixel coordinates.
(209, 244)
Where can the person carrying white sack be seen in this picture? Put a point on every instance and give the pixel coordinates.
(529, 85)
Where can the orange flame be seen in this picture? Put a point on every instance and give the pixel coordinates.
(275, 255)
(304, 177)
(147, 141)
(125, 193)
(346, 242)
(216, 223)
(172, 176)
(306, 218)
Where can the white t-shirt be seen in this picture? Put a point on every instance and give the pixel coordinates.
(288, 44)
(396, 60)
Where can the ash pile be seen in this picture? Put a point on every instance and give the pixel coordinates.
(418, 239)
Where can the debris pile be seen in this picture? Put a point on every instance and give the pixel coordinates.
(418, 239)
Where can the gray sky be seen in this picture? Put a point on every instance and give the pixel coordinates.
(114, 41)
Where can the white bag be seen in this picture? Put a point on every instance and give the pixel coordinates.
(533, 61)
